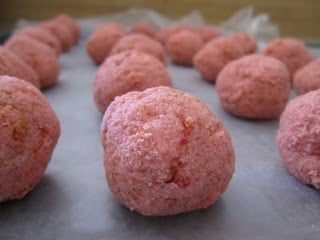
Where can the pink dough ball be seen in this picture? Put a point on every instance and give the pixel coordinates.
(208, 33)
(71, 24)
(165, 152)
(247, 43)
(144, 28)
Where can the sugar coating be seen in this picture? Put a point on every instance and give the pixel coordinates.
(12, 65)
(292, 52)
(71, 24)
(100, 43)
(247, 43)
(38, 56)
(144, 28)
(43, 35)
(140, 42)
(307, 78)
(127, 71)
(61, 32)
(254, 86)
(29, 132)
(208, 33)
(298, 138)
(165, 152)
(211, 58)
(182, 46)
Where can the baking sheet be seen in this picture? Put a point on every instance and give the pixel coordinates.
(72, 201)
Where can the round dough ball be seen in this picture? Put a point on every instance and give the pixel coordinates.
(292, 52)
(307, 78)
(38, 56)
(208, 33)
(102, 41)
(211, 58)
(165, 152)
(29, 132)
(13, 66)
(127, 71)
(247, 43)
(61, 32)
(254, 86)
(43, 35)
(141, 43)
(298, 138)
(71, 24)
(165, 33)
(144, 28)
(182, 46)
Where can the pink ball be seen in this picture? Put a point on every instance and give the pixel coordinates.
(165, 152)
(29, 132)
(71, 25)
(143, 28)
(298, 138)
(254, 86)
(247, 43)
(208, 33)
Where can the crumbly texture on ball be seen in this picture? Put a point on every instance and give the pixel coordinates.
(43, 35)
(102, 41)
(141, 43)
(208, 33)
(38, 56)
(29, 132)
(292, 52)
(127, 71)
(211, 58)
(164, 160)
(254, 86)
(144, 28)
(12, 65)
(307, 78)
(71, 24)
(298, 138)
(247, 43)
(182, 46)
(61, 32)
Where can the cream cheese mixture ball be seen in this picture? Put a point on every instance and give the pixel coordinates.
(165, 152)
(298, 138)
(127, 71)
(254, 86)
(28, 135)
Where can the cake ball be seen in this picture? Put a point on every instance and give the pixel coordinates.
(43, 35)
(298, 138)
(71, 24)
(208, 33)
(211, 58)
(292, 52)
(38, 56)
(254, 86)
(61, 32)
(127, 71)
(13, 66)
(144, 28)
(102, 40)
(182, 46)
(307, 78)
(164, 34)
(29, 132)
(247, 43)
(141, 43)
(165, 152)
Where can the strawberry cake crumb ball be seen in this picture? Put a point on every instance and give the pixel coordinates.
(141, 43)
(298, 138)
(207, 33)
(71, 25)
(213, 56)
(102, 40)
(144, 28)
(247, 43)
(165, 152)
(38, 56)
(127, 71)
(307, 78)
(255, 87)
(292, 52)
(29, 132)
(182, 46)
